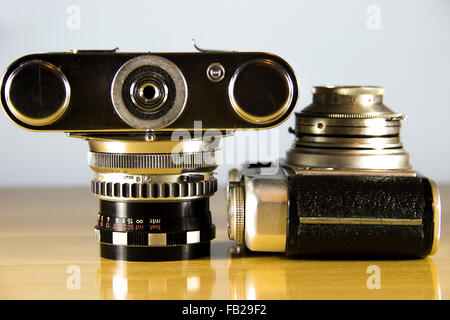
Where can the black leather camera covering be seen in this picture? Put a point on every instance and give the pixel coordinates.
(352, 196)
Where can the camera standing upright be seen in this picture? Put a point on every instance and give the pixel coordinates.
(133, 108)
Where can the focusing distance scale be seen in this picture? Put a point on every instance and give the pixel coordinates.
(154, 231)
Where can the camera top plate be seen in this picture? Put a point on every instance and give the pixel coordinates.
(79, 91)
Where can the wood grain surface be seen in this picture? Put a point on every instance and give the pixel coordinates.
(48, 251)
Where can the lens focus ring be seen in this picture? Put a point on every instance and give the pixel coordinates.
(110, 162)
(153, 191)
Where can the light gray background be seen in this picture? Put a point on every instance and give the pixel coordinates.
(326, 42)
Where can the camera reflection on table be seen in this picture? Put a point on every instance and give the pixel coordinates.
(176, 280)
(250, 275)
(272, 276)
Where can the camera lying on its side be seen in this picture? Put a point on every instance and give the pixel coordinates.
(153, 188)
(346, 187)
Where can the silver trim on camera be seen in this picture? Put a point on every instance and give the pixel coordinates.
(258, 217)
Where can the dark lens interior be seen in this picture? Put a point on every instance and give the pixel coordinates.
(149, 92)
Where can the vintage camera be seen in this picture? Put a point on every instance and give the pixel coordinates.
(154, 168)
(346, 187)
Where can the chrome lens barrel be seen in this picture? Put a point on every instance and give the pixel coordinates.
(154, 196)
(348, 127)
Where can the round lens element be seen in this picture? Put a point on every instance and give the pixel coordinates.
(261, 91)
(149, 92)
(37, 93)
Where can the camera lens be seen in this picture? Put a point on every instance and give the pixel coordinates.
(348, 127)
(154, 203)
(149, 92)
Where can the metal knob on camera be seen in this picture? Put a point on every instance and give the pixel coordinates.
(257, 208)
(235, 207)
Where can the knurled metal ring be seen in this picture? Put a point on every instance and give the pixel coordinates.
(153, 191)
(151, 161)
(236, 213)
(367, 115)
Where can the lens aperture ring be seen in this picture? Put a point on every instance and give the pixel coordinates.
(153, 191)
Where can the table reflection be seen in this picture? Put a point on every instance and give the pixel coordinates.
(272, 276)
(244, 275)
(178, 280)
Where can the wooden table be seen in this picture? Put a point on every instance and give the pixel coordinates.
(48, 251)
